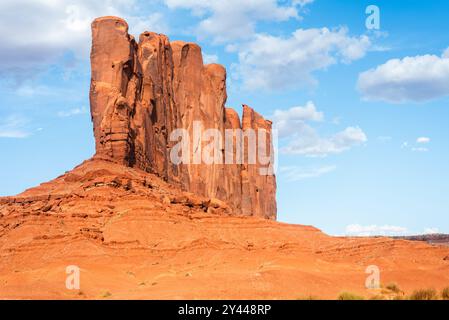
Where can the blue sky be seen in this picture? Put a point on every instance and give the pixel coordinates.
(362, 113)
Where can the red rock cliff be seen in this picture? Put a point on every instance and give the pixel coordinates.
(141, 92)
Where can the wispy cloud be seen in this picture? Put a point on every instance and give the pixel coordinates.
(423, 140)
(233, 20)
(210, 58)
(31, 90)
(431, 231)
(72, 112)
(374, 230)
(418, 146)
(420, 149)
(296, 173)
(14, 126)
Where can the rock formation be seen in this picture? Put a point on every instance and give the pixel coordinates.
(142, 92)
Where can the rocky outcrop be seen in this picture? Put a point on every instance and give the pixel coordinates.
(142, 93)
(258, 183)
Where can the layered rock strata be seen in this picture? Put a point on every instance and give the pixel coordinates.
(143, 92)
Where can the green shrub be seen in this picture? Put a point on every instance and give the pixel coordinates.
(349, 296)
(424, 294)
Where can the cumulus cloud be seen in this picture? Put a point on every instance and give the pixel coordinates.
(235, 19)
(49, 28)
(374, 230)
(297, 173)
(14, 126)
(271, 62)
(411, 79)
(313, 145)
(287, 122)
(293, 125)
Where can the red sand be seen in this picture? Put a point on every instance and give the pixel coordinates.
(136, 237)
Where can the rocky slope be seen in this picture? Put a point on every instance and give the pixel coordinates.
(439, 239)
(135, 236)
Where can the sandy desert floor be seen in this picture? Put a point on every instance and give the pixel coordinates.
(135, 237)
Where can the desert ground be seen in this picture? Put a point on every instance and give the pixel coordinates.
(133, 236)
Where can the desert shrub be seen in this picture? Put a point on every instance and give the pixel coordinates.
(393, 287)
(309, 297)
(349, 296)
(424, 294)
(445, 293)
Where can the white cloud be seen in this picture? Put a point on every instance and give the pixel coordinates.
(311, 144)
(295, 173)
(14, 126)
(418, 146)
(423, 140)
(72, 112)
(36, 33)
(235, 19)
(446, 53)
(420, 149)
(416, 79)
(270, 62)
(210, 58)
(431, 231)
(302, 139)
(302, 3)
(155, 22)
(288, 121)
(32, 90)
(374, 230)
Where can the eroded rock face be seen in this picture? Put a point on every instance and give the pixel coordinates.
(258, 187)
(112, 60)
(142, 92)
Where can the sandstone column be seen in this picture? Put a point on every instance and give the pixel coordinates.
(141, 92)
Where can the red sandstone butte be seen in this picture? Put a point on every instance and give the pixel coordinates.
(142, 91)
(135, 236)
